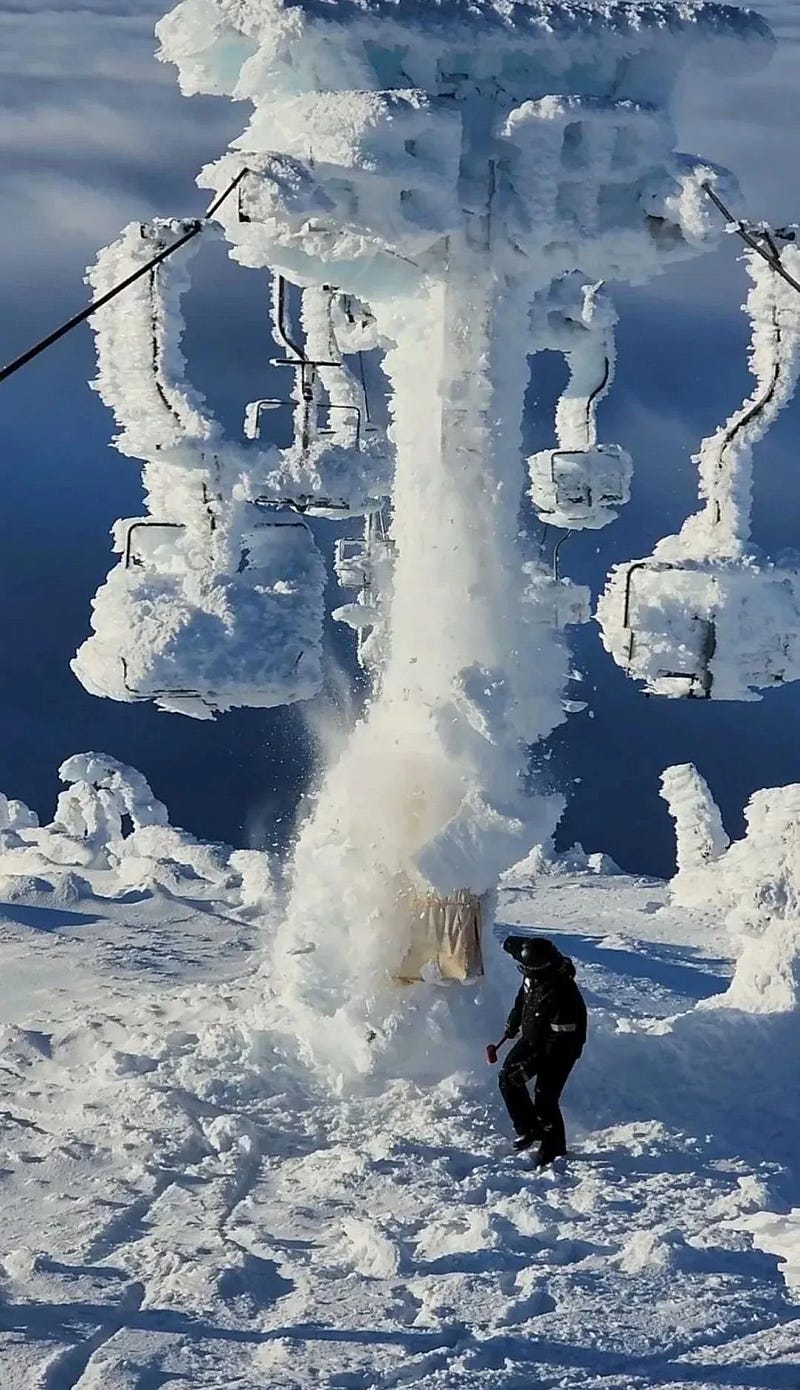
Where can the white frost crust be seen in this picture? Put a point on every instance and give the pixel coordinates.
(589, 319)
(109, 822)
(141, 369)
(705, 616)
(580, 181)
(756, 882)
(142, 378)
(354, 146)
(700, 834)
(198, 640)
(231, 46)
(722, 528)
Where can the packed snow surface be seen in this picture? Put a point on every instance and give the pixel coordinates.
(185, 1203)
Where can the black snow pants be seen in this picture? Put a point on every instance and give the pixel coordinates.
(540, 1115)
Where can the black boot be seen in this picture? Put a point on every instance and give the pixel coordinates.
(549, 1150)
(526, 1141)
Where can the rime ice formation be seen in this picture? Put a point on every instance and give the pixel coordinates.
(109, 823)
(706, 615)
(756, 882)
(448, 185)
(580, 484)
(217, 599)
(699, 832)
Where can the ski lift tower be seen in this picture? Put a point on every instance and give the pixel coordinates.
(469, 173)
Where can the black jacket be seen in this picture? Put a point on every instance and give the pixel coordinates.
(550, 1012)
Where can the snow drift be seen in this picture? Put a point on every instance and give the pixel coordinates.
(111, 835)
(755, 882)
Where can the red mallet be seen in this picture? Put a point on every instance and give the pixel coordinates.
(492, 1050)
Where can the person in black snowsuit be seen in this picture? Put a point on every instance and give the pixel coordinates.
(550, 1013)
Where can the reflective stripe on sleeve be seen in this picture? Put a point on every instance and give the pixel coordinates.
(564, 1027)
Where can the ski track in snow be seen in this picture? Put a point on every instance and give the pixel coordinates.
(182, 1206)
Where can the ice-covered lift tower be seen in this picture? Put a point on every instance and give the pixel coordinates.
(461, 176)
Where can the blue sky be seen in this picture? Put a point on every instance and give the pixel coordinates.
(95, 133)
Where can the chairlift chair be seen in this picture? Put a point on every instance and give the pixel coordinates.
(668, 634)
(559, 601)
(704, 631)
(580, 489)
(150, 544)
(351, 562)
(365, 563)
(572, 603)
(704, 617)
(319, 422)
(171, 628)
(580, 484)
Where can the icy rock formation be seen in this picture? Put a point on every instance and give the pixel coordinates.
(756, 881)
(706, 616)
(105, 803)
(122, 787)
(699, 831)
(543, 862)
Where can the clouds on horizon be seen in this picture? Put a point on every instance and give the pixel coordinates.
(93, 134)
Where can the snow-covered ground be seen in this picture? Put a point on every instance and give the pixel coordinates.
(184, 1204)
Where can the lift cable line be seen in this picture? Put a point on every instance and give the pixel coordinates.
(194, 228)
(743, 230)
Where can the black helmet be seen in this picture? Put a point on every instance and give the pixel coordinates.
(533, 954)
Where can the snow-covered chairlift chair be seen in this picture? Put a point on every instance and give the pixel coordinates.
(580, 484)
(215, 602)
(365, 563)
(580, 489)
(351, 563)
(337, 461)
(705, 617)
(197, 638)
